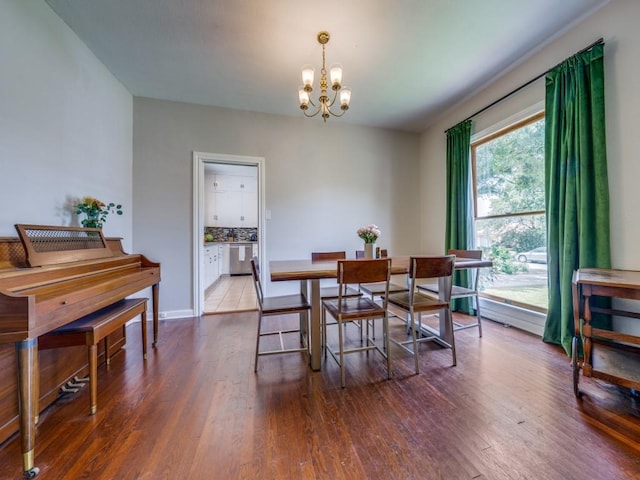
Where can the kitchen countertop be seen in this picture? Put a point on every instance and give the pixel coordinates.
(230, 243)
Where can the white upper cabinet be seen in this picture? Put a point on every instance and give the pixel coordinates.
(249, 184)
(231, 201)
(219, 183)
(250, 209)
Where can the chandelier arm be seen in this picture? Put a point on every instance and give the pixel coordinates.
(338, 114)
(313, 114)
(333, 100)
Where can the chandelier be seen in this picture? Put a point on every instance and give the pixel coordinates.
(323, 107)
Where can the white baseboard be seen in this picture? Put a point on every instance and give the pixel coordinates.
(173, 314)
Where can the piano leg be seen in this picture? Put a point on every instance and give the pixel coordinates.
(154, 293)
(28, 393)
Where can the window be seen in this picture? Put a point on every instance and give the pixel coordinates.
(508, 178)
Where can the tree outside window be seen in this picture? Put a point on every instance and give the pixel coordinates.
(508, 173)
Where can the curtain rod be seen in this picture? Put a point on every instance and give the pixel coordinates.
(597, 42)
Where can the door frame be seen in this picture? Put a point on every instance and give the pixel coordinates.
(199, 160)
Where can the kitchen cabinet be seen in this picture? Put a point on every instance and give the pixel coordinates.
(227, 210)
(219, 183)
(231, 201)
(249, 184)
(214, 269)
(249, 217)
(211, 267)
(239, 183)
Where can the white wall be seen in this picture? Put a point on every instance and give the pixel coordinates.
(323, 181)
(65, 124)
(617, 23)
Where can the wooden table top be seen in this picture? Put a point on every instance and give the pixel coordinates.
(608, 277)
(283, 270)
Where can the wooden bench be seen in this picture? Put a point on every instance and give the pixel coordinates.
(92, 329)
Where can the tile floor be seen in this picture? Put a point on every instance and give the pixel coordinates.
(231, 294)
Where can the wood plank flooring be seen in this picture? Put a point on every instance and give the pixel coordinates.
(195, 409)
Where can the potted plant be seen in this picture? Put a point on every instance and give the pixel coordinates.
(369, 234)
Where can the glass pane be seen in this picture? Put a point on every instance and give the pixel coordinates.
(517, 247)
(510, 172)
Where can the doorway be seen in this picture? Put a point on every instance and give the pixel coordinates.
(228, 219)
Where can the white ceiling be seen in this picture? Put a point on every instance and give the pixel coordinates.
(406, 60)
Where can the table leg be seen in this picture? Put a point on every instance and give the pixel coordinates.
(446, 325)
(316, 334)
(444, 333)
(28, 393)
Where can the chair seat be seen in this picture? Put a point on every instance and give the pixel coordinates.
(376, 289)
(354, 308)
(327, 293)
(284, 304)
(421, 302)
(456, 291)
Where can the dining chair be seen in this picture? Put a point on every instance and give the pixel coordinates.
(280, 305)
(377, 289)
(415, 303)
(458, 291)
(352, 309)
(332, 292)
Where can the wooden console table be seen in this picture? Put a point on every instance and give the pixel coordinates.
(608, 355)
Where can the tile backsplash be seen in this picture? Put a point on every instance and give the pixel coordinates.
(223, 234)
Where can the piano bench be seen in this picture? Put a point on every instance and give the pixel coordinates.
(95, 327)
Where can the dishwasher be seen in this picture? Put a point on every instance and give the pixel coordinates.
(240, 258)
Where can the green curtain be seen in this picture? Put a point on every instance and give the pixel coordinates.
(459, 228)
(577, 191)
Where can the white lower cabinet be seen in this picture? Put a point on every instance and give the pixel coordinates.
(211, 265)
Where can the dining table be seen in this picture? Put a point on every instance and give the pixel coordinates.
(309, 273)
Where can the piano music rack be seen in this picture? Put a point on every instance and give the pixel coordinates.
(50, 245)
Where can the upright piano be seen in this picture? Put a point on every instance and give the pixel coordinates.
(51, 276)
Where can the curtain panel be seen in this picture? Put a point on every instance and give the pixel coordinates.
(459, 221)
(577, 189)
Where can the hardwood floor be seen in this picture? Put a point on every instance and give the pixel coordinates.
(196, 409)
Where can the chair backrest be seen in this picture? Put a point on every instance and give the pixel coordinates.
(475, 254)
(430, 268)
(364, 271)
(255, 273)
(325, 256)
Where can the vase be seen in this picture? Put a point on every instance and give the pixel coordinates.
(369, 251)
(92, 221)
